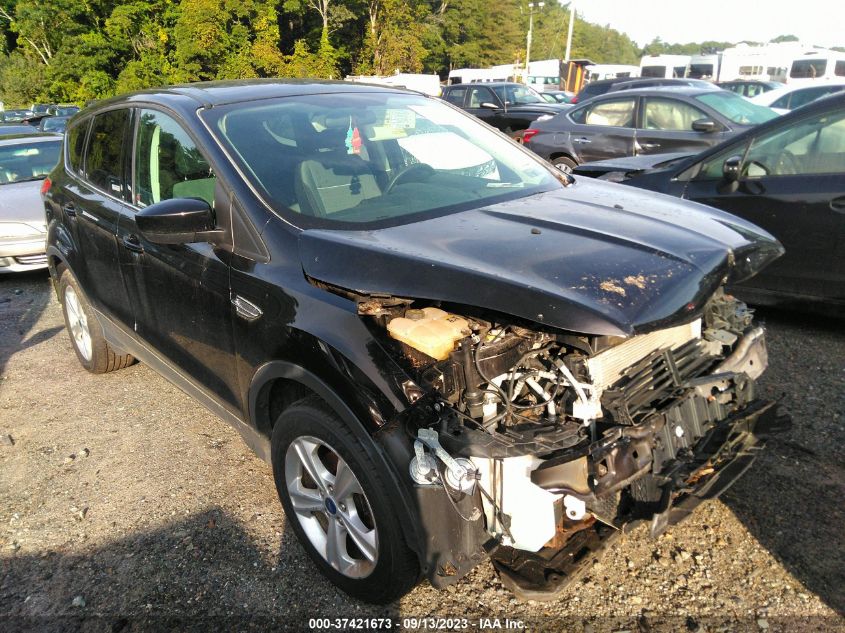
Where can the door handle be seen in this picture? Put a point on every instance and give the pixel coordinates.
(70, 210)
(650, 145)
(838, 204)
(581, 140)
(132, 243)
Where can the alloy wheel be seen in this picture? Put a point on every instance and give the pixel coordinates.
(78, 323)
(331, 507)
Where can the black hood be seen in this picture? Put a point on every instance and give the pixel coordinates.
(593, 258)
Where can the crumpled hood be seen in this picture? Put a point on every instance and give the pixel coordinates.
(593, 258)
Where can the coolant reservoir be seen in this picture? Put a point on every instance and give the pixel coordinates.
(431, 331)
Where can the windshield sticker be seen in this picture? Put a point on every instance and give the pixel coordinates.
(399, 120)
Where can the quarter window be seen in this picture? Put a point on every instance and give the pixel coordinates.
(104, 160)
(168, 164)
(76, 144)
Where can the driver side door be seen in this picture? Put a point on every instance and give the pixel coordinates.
(477, 97)
(180, 292)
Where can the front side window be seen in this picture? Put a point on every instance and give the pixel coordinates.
(28, 161)
(104, 160)
(670, 114)
(479, 95)
(808, 68)
(616, 113)
(168, 164)
(373, 159)
(812, 146)
(520, 95)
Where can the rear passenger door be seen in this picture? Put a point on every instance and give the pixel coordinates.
(604, 129)
(94, 201)
(665, 125)
(180, 292)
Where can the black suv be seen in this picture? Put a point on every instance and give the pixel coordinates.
(507, 106)
(445, 355)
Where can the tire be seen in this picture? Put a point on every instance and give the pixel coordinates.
(565, 164)
(382, 568)
(86, 334)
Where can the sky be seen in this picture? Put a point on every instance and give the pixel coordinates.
(819, 22)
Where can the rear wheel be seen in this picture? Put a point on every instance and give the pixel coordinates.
(86, 334)
(338, 502)
(564, 163)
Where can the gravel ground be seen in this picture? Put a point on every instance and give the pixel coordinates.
(124, 506)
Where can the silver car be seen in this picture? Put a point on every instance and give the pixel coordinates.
(24, 163)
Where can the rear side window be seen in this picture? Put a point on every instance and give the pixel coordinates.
(615, 113)
(104, 160)
(76, 144)
(168, 164)
(456, 96)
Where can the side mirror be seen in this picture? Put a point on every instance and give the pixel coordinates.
(177, 221)
(731, 168)
(705, 125)
(489, 106)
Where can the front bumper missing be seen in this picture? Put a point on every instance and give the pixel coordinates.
(725, 452)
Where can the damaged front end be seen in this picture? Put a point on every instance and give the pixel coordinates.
(547, 444)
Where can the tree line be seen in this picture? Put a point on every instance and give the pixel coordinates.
(78, 50)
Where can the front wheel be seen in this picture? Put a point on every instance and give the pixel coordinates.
(338, 502)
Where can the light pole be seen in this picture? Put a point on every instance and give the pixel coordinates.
(531, 6)
(571, 25)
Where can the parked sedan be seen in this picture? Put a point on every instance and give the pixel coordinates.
(787, 176)
(790, 97)
(642, 122)
(603, 86)
(508, 106)
(24, 162)
(749, 87)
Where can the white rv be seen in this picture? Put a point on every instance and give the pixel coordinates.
(597, 72)
(704, 66)
(816, 65)
(664, 66)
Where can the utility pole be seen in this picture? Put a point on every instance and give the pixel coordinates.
(571, 26)
(531, 6)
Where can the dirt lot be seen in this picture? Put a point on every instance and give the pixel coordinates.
(125, 506)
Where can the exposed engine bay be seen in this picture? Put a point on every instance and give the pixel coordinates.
(553, 440)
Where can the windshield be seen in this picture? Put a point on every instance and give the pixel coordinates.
(736, 108)
(28, 161)
(343, 160)
(515, 94)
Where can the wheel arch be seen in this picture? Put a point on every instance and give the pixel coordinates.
(278, 384)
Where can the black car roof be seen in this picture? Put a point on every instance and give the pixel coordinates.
(688, 91)
(215, 93)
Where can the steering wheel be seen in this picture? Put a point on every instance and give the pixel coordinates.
(419, 171)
